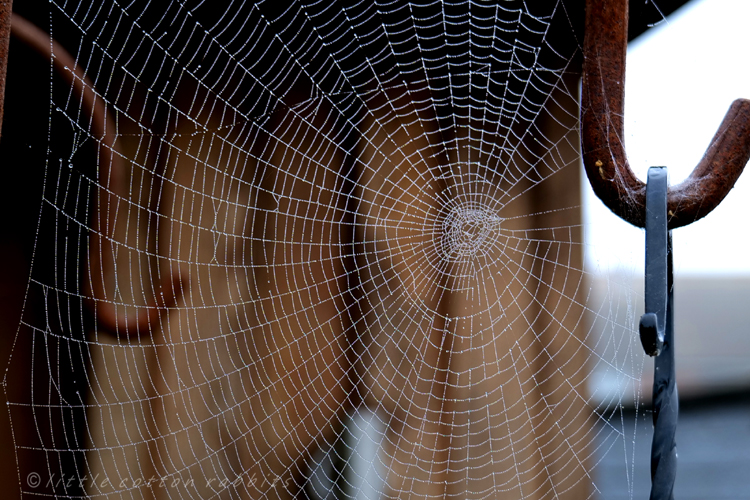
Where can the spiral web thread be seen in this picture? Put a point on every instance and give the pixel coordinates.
(368, 216)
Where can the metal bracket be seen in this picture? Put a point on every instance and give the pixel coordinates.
(654, 321)
(657, 335)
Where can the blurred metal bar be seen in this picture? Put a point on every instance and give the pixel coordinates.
(111, 316)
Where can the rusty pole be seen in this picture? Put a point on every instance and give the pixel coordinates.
(6, 7)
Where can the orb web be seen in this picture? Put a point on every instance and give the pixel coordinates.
(321, 249)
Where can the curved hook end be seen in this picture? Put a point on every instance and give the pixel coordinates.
(651, 338)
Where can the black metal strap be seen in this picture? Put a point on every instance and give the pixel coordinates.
(654, 321)
(657, 335)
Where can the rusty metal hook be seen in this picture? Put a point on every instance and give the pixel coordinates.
(110, 175)
(604, 157)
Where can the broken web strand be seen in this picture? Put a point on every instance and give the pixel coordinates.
(184, 405)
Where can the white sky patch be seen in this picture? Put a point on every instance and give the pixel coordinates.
(681, 78)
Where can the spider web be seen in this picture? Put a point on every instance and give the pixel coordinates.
(322, 249)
